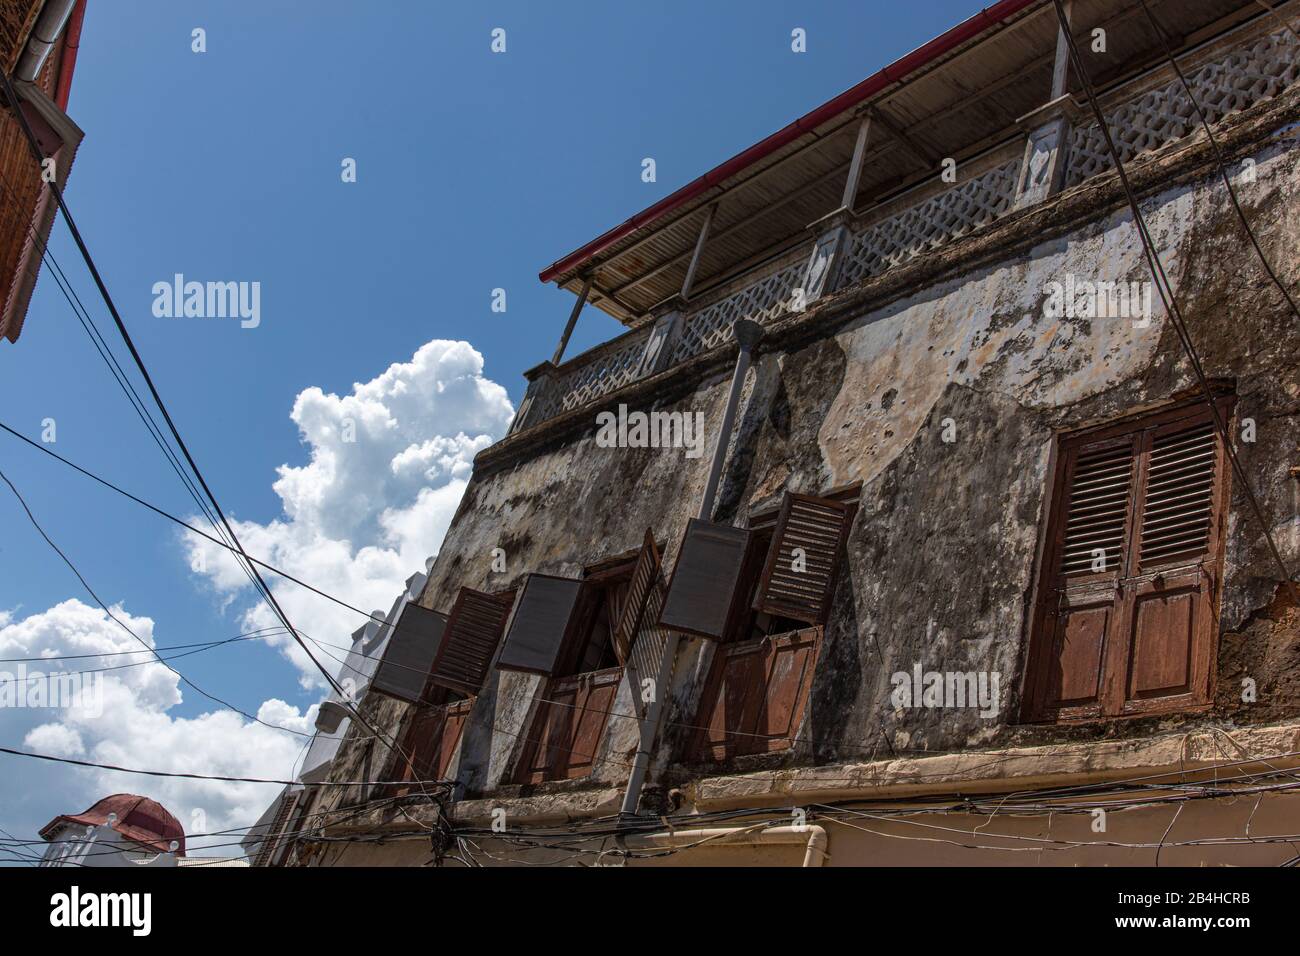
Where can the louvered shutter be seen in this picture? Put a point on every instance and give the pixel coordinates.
(410, 652)
(470, 640)
(1178, 495)
(1133, 634)
(799, 576)
(541, 622)
(268, 850)
(702, 595)
(1100, 500)
(641, 587)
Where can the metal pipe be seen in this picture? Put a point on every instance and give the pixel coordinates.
(747, 334)
(811, 836)
(41, 40)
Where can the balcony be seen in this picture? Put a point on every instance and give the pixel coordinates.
(1233, 69)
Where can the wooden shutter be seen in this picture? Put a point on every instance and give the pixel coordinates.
(470, 640)
(1178, 495)
(565, 736)
(540, 624)
(268, 851)
(641, 587)
(1124, 622)
(756, 695)
(799, 577)
(409, 654)
(431, 739)
(702, 596)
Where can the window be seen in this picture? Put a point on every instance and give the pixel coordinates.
(432, 736)
(579, 634)
(1125, 616)
(764, 593)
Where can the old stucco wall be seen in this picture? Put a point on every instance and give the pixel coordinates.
(942, 552)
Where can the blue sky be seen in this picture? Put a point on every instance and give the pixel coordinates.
(475, 170)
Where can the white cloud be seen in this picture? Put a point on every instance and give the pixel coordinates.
(134, 728)
(387, 465)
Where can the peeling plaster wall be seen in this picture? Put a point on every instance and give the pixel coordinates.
(942, 553)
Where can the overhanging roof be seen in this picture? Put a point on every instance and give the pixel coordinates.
(957, 95)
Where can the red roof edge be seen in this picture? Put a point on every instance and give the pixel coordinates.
(71, 41)
(894, 73)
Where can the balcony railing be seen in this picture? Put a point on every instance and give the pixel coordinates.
(1144, 115)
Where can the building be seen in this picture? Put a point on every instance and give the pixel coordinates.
(123, 829)
(38, 49)
(898, 527)
(268, 841)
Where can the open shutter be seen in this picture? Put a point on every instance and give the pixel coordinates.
(410, 653)
(756, 695)
(702, 594)
(540, 623)
(268, 851)
(642, 585)
(799, 576)
(469, 641)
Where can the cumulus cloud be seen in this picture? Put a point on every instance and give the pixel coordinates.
(387, 465)
(125, 720)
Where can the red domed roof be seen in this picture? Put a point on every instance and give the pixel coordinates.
(138, 818)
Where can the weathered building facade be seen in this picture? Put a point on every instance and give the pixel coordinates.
(979, 581)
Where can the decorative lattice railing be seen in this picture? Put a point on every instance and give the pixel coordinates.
(1223, 82)
(591, 375)
(930, 223)
(1257, 70)
(762, 299)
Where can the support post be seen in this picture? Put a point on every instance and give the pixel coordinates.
(699, 249)
(1042, 171)
(573, 320)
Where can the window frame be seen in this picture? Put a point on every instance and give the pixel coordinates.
(1120, 589)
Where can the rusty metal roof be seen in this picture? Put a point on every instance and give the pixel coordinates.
(956, 96)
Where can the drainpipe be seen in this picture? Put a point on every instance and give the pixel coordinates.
(812, 837)
(40, 42)
(747, 334)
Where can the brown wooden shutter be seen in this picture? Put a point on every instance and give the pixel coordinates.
(410, 653)
(432, 736)
(540, 624)
(566, 734)
(1178, 495)
(470, 640)
(756, 694)
(641, 588)
(702, 596)
(1101, 498)
(268, 851)
(799, 577)
(1134, 634)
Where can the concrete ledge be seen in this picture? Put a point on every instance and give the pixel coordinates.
(1191, 756)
